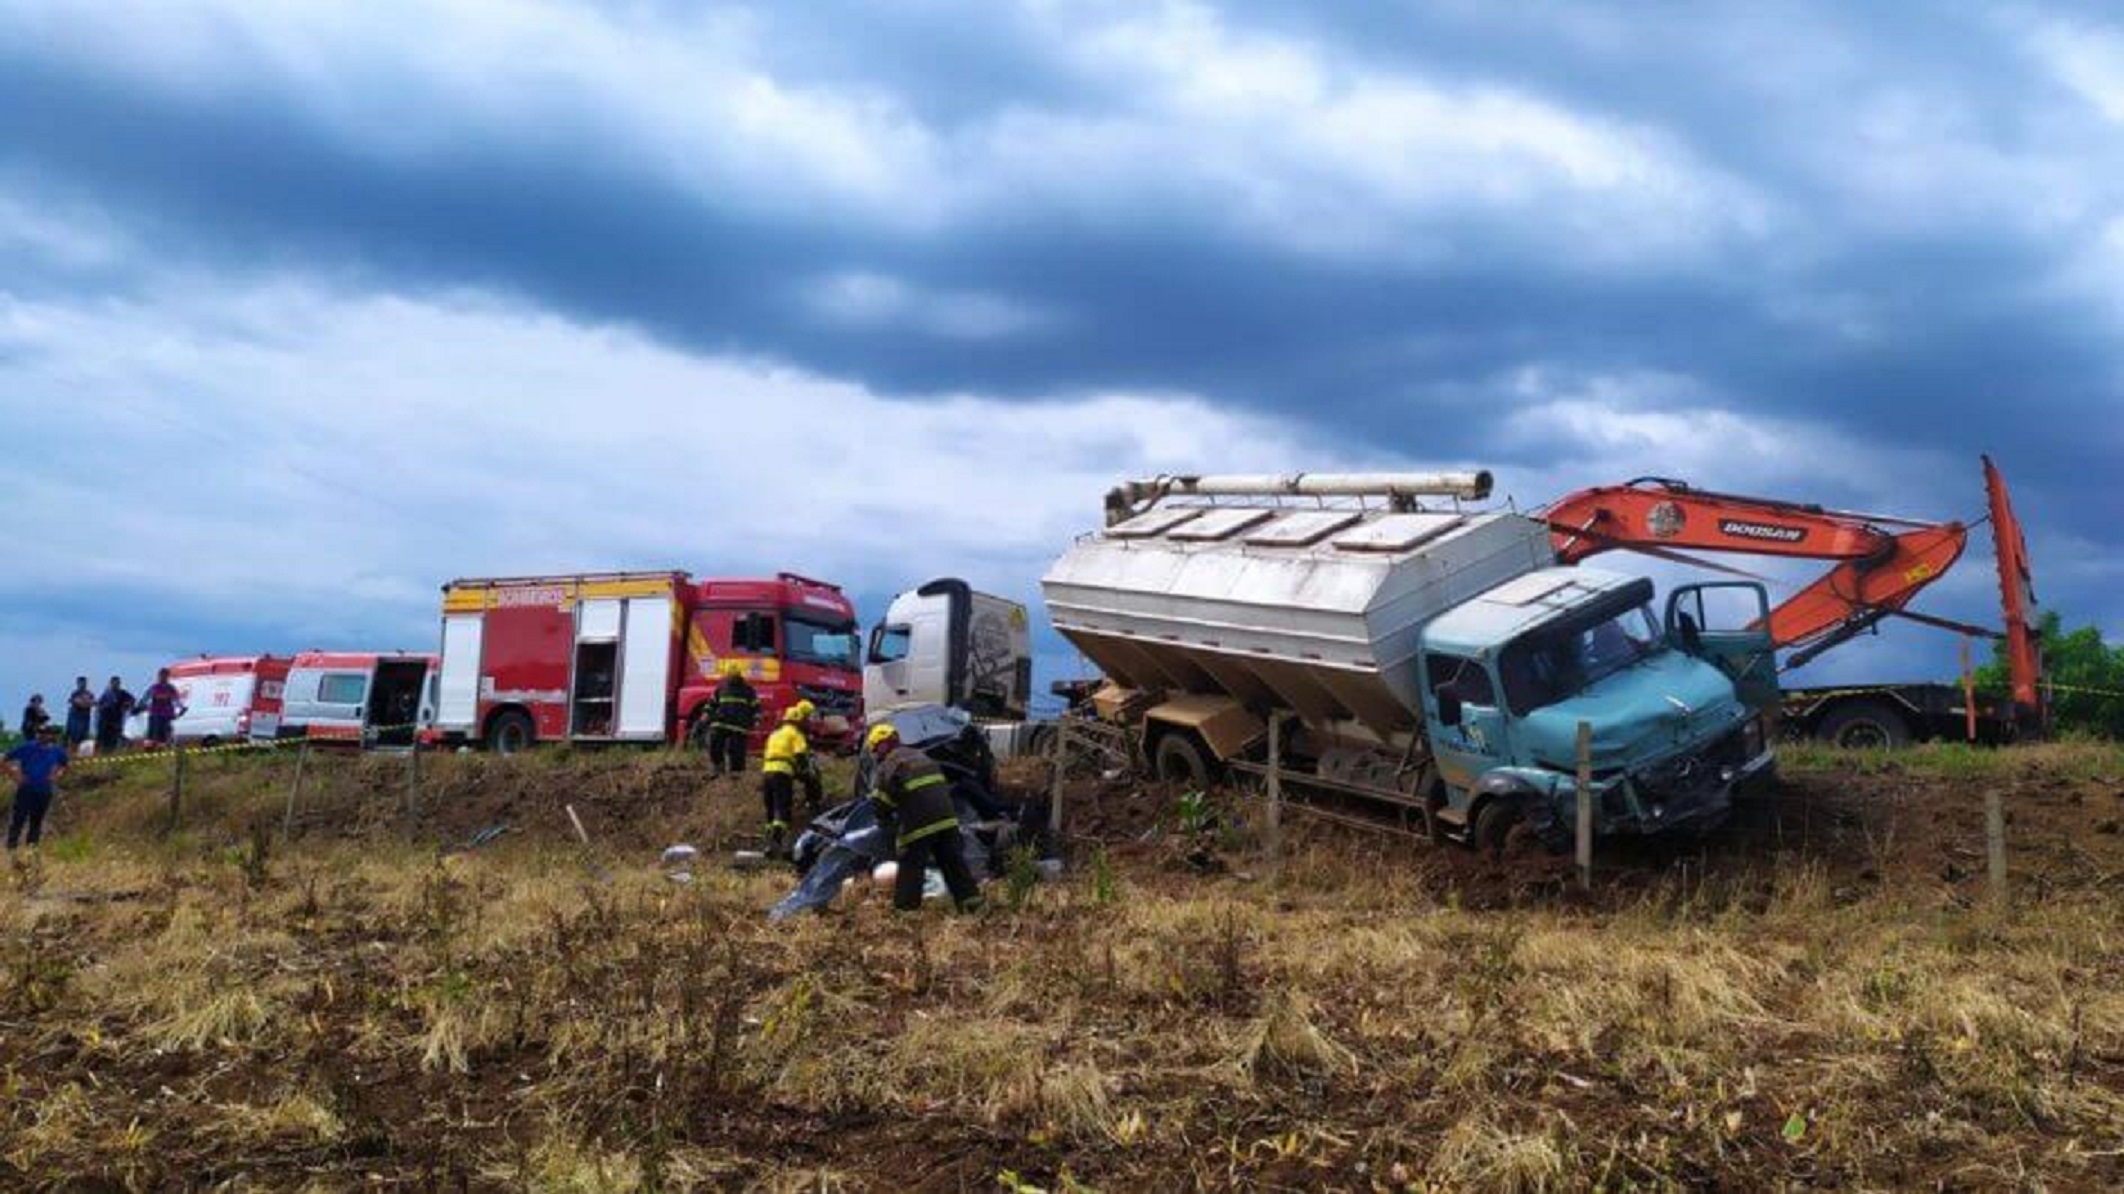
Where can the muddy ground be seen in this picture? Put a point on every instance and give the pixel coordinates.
(1822, 994)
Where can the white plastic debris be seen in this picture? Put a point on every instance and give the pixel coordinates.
(680, 855)
(885, 873)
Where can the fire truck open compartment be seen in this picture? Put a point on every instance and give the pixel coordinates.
(394, 698)
(596, 664)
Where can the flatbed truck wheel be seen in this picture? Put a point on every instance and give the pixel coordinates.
(1180, 759)
(510, 731)
(1864, 725)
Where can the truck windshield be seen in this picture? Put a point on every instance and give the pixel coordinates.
(825, 644)
(1560, 661)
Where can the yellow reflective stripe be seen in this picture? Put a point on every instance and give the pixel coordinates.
(924, 781)
(777, 767)
(930, 830)
(637, 587)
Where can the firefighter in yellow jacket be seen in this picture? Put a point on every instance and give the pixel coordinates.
(787, 756)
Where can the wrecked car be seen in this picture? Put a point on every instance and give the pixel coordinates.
(845, 842)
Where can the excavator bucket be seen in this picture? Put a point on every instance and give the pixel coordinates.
(2024, 648)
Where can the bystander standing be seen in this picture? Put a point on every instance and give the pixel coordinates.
(35, 765)
(112, 708)
(164, 706)
(80, 708)
(34, 717)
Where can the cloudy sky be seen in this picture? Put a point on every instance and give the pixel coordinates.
(307, 307)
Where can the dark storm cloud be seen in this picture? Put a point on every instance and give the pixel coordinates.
(1891, 241)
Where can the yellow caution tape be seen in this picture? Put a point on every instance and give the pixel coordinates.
(160, 753)
(153, 754)
(2082, 689)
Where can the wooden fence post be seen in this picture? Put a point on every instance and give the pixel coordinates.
(412, 801)
(176, 789)
(287, 819)
(1995, 844)
(1275, 796)
(1054, 794)
(1585, 805)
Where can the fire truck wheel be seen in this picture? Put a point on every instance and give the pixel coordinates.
(510, 731)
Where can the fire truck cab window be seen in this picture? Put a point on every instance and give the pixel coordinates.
(831, 645)
(342, 688)
(753, 632)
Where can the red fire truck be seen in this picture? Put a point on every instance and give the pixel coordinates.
(632, 656)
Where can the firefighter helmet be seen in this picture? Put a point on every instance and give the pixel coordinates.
(880, 734)
(794, 713)
(730, 667)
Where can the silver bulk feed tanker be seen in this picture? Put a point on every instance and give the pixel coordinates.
(1306, 592)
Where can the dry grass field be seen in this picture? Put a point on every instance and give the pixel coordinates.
(1818, 996)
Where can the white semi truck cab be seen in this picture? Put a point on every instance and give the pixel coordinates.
(945, 644)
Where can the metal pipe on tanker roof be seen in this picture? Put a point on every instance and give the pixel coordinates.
(1124, 499)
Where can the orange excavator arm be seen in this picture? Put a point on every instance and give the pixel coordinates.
(1881, 562)
(2024, 647)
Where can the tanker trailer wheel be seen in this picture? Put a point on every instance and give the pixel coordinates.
(1181, 759)
(1864, 725)
(510, 731)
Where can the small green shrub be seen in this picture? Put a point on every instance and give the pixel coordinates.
(1196, 812)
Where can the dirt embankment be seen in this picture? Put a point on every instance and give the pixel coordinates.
(627, 799)
(1819, 995)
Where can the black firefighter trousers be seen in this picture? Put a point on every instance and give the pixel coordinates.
(943, 850)
(726, 749)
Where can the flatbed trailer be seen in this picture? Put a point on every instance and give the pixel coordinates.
(1892, 715)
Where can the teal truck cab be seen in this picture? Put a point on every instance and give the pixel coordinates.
(1674, 708)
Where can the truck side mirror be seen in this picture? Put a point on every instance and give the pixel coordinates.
(1448, 707)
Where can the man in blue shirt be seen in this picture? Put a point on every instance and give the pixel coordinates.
(36, 766)
(80, 706)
